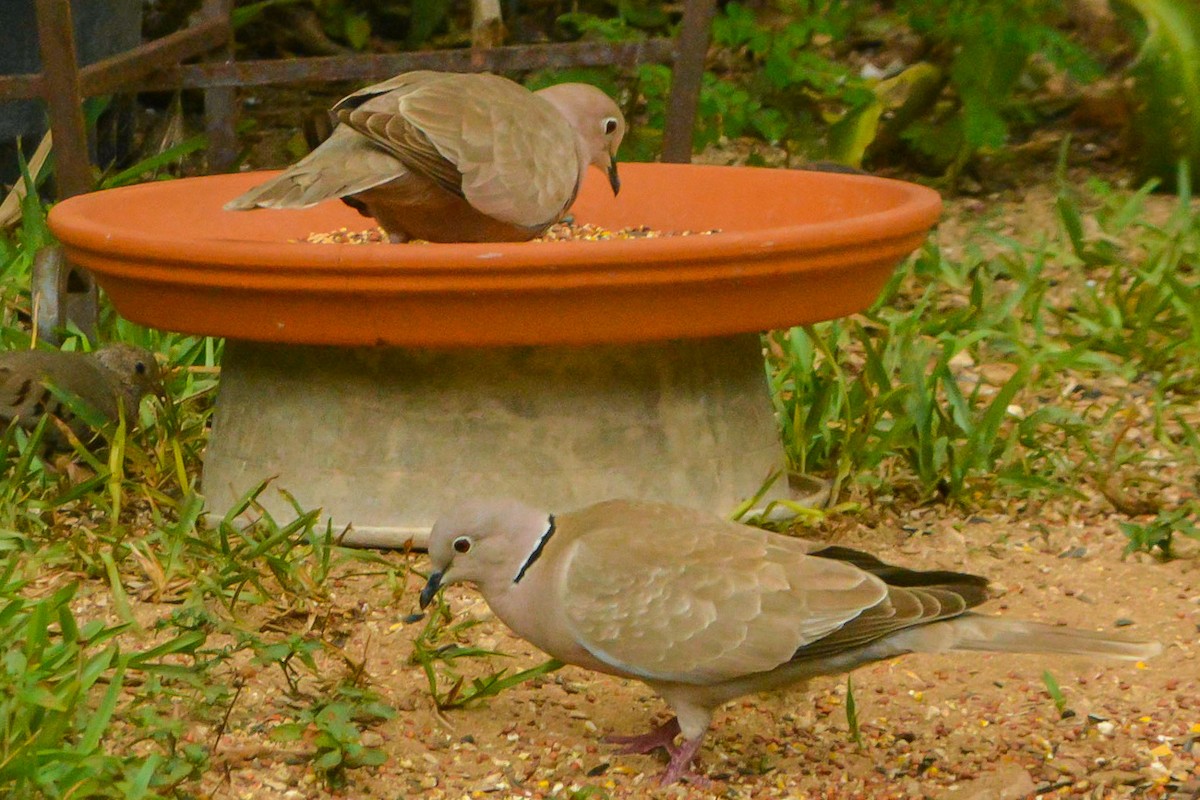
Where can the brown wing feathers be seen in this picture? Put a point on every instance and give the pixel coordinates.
(915, 597)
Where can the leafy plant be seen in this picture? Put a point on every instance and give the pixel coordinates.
(783, 75)
(852, 714)
(989, 53)
(794, 84)
(439, 661)
(335, 730)
(1160, 531)
(904, 386)
(1144, 310)
(61, 687)
(334, 25)
(1055, 692)
(901, 398)
(1166, 79)
(344, 22)
(68, 681)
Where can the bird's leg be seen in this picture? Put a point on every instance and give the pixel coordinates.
(664, 736)
(661, 736)
(693, 718)
(681, 763)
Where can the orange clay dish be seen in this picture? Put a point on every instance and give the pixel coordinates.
(792, 247)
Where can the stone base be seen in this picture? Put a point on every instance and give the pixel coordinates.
(385, 439)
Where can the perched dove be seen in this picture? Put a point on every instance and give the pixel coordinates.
(704, 610)
(451, 157)
(116, 374)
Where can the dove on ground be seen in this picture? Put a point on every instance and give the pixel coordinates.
(704, 610)
(451, 157)
(112, 377)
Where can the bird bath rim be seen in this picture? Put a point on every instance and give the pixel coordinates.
(794, 247)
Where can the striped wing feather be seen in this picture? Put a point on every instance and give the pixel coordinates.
(346, 163)
(673, 596)
(915, 597)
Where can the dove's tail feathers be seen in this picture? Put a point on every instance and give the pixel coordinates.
(346, 163)
(993, 634)
(282, 191)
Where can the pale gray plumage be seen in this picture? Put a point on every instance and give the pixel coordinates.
(116, 375)
(451, 157)
(704, 610)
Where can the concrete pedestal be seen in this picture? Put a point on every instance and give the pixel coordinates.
(385, 439)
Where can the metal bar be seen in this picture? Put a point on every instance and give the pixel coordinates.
(112, 74)
(20, 87)
(385, 65)
(117, 72)
(60, 73)
(692, 48)
(220, 102)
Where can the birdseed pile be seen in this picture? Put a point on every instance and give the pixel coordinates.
(559, 232)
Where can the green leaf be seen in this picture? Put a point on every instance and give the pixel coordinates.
(371, 757)
(245, 14)
(98, 723)
(1166, 78)
(357, 29)
(39, 695)
(851, 135)
(140, 785)
(493, 684)
(982, 124)
(646, 14)
(154, 163)
(288, 732)
(35, 234)
(425, 18)
(852, 714)
(1055, 691)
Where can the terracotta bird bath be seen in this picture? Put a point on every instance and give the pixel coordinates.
(385, 382)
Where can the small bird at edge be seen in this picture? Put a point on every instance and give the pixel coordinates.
(114, 375)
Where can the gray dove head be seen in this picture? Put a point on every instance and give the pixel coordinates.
(485, 541)
(134, 368)
(597, 120)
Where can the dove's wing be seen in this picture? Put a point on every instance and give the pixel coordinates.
(511, 154)
(699, 601)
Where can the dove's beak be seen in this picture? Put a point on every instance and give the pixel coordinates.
(431, 586)
(614, 180)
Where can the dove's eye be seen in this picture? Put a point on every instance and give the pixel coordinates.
(462, 545)
(139, 368)
(610, 125)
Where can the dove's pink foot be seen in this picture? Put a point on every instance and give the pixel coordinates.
(662, 736)
(681, 763)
